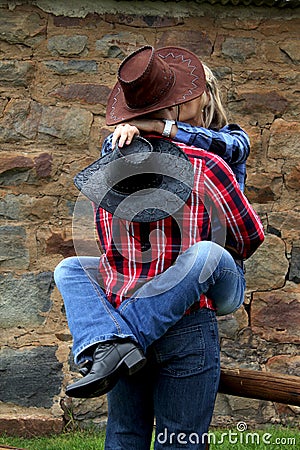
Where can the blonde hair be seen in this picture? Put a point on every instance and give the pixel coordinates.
(214, 115)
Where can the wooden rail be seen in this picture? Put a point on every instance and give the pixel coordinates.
(275, 387)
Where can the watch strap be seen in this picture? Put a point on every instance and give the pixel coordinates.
(168, 127)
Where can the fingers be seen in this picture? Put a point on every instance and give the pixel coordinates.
(124, 133)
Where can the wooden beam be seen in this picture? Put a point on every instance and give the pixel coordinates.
(275, 387)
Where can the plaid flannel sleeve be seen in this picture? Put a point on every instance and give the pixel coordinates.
(244, 230)
(230, 142)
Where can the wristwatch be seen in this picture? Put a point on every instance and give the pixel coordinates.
(168, 127)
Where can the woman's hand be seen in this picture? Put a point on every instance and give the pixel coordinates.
(125, 132)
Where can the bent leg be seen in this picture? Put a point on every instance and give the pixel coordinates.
(204, 268)
(91, 318)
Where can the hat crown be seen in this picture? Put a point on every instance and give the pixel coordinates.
(145, 78)
(166, 195)
(135, 167)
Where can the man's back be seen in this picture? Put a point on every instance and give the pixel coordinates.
(136, 252)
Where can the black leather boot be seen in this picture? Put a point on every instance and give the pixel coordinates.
(109, 360)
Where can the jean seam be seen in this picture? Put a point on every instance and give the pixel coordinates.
(98, 292)
(184, 330)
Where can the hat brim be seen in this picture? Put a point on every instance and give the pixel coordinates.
(147, 205)
(189, 83)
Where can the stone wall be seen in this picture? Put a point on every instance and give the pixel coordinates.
(58, 64)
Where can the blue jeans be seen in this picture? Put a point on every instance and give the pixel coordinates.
(159, 304)
(178, 387)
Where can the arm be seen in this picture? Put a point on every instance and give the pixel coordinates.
(126, 132)
(230, 142)
(244, 231)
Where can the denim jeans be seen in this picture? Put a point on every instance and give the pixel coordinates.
(158, 305)
(177, 387)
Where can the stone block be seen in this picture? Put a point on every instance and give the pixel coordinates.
(291, 48)
(86, 93)
(24, 299)
(245, 407)
(22, 27)
(29, 425)
(275, 315)
(30, 377)
(65, 21)
(149, 21)
(27, 207)
(15, 171)
(294, 273)
(65, 125)
(16, 73)
(20, 121)
(87, 413)
(72, 67)
(263, 187)
(285, 225)
(231, 324)
(16, 162)
(13, 251)
(56, 244)
(287, 364)
(198, 42)
(268, 267)
(43, 165)
(118, 45)
(291, 171)
(284, 139)
(239, 48)
(260, 103)
(15, 167)
(64, 45)
(29, 120)
(271, 52)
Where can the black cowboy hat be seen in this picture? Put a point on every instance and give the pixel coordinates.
(145, 181)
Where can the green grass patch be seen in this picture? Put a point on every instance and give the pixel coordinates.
(274, 438)
(77, 440)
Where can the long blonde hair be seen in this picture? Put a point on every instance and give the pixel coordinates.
(214, 115)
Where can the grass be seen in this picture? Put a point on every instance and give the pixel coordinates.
(275, 438)
(77, 440)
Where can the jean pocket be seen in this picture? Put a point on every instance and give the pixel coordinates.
(181, 352)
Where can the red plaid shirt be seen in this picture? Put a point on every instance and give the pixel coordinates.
(125, 265)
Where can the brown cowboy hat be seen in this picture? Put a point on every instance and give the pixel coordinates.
(150, 80)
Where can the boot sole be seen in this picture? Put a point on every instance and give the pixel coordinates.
(133, 362)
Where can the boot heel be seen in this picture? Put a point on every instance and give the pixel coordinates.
(134, 361)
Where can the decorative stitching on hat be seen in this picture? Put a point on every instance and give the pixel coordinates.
(192, 67)
(112, 114)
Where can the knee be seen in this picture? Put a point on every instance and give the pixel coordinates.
(206, 248)
(64, 268)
